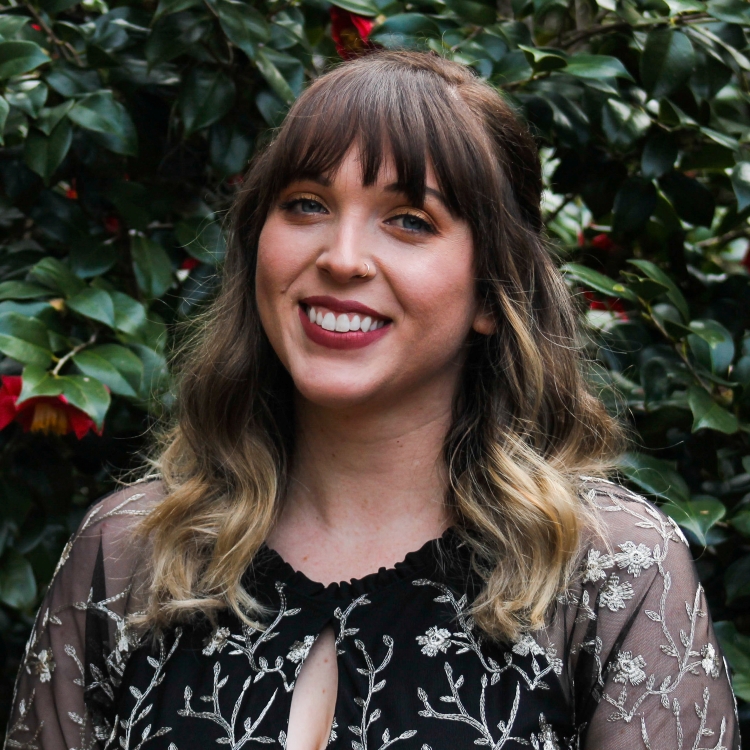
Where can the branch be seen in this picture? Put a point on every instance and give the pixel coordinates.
(724, 238)
(59, 43)
(72, 353)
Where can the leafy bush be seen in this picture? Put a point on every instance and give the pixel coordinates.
(127, 128)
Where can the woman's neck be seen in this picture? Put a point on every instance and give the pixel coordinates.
(365, 488)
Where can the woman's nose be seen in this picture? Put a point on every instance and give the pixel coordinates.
(343, 255)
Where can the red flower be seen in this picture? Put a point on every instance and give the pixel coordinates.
(350, 32)
(189, 264)
(746, 260)
(50, 415)
(112, 224)
(603, 242)
(610, 305)
(71, 192)
(36, 27)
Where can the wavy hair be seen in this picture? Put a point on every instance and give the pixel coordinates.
(525, 425)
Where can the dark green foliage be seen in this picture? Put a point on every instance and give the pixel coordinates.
(125, 128)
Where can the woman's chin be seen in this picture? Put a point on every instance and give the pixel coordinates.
(337, 394)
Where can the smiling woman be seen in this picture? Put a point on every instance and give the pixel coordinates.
(382, 515)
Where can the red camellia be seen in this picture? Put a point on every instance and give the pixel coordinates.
(189, 264)
(112, 224)
(603, 242)
(610, 305)
(50, 415)
(350, 32)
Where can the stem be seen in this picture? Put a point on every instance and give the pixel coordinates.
(724, 238)
(72, 353)
(59, 43)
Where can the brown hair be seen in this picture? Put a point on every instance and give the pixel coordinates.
(525, 426)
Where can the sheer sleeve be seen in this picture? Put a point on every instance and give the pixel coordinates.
(647, 668)
(76, 654)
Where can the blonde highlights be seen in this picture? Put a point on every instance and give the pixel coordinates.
(525, 425)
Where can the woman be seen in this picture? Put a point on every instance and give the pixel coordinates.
(377, 520)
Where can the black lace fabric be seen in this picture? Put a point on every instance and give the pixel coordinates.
(629, 658)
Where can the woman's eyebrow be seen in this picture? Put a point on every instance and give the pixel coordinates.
(394, 188)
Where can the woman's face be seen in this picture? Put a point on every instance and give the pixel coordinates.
(351, 340)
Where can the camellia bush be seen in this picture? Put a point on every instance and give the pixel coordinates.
(126, 130)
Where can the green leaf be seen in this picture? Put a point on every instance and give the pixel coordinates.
(24, 339)
(17, 582)
(244, 25)
(153, 268)
(207, 94)
(667, 62)
(736, 648)
(597, 281)
(89, 258)
(692, 201)
(37, 381)
(55, 275)
(544, 59)
(202, 238)
(166, 7)
(115, 366)
(741, 522)
(100, 113)
(655, 477)
(28, 96)
(11, 25)
(718, 341)
(404, 25)
(21, 290)
(4, 110)
(130, 314)
(512, 67)
(87, 394)
(658, 156)
(230, 148)
(596, 67)
(741, 184)
(360, 7)
(43, 154)
(737, 579)
(275, 80)
(730, 11)
(623, 124)
(49, 117)
(95, 304)
(17, 58)
(652, 271)
(634, 203)
(473, 12)
(707, 414)
(698, 515)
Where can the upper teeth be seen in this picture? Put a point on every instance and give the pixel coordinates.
(343, 323)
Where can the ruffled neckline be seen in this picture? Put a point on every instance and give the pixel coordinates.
(439, 554)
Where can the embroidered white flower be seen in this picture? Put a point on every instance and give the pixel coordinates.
(332, 736)
(434, 640)
(217, 641)
(635, 559)
(710, 661)
(527, 645)
(300, 649)
(594, 566)
(43, 665)
(629, 668)
(614, 594)
(125, 637)
(554, 662)
(546, 739)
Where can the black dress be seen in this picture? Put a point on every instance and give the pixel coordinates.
(628, 659)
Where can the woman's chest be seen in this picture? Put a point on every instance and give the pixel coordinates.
(411, 672)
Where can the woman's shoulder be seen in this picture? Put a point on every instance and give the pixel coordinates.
(106, 535)
(627, 529)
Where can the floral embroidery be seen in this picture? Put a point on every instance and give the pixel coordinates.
(594, 568)
(629, 668)
(546, 739)
(635, 559)
(710, 661)
(614, 594)
(300, 649)
(435, 640)
(217, 641)
(527, 645)
(43, 665)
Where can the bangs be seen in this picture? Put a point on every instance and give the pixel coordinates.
(410, 114)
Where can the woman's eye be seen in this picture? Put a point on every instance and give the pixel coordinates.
(414, 223)
(304, 205)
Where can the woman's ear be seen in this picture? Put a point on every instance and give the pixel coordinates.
(484, 323)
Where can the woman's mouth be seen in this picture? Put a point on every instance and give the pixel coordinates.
(341, 329)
